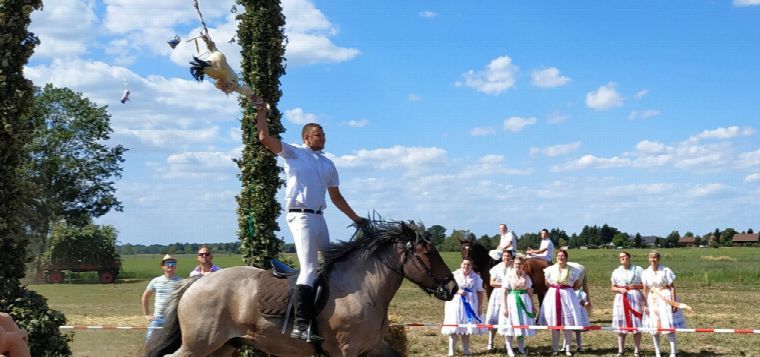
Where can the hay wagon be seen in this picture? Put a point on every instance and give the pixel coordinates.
(108, 270)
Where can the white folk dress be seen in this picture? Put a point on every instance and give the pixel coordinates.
(564, 298)
(516, 287)
(630, 316)
(660, 313)
(493, 312)
(454, 310)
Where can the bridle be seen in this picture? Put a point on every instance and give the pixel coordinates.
(439, 284)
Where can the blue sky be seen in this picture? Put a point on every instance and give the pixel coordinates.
(641, 115)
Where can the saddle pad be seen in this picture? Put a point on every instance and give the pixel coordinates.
(272, 295)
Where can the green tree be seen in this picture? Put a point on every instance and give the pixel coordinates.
(437, 235)
(485, 240)
(261, 36)
(637, 241)
(28, 308)
(672, 240)
(726, 238)
(69, 165)
(621, 240)
(528, 240)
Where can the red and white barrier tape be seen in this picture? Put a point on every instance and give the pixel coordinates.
(487, 326)
(79, 327)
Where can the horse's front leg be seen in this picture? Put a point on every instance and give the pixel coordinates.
(382, 349)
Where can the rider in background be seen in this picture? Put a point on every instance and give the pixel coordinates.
(545, 250)
(507, 242)
(310, 174)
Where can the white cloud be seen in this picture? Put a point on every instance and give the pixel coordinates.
(170, 137)
(491, 164)
(591, 161)
(606, 97)
(752, 177)
(298, 116)
(642, 93)
(643, 114)
(414, 98)
(556, 118)
(744, 3)
(410, 158)
(517, 124)
(64, 28)
(710, 189)
(651, 147)
(309, 31)
(749, 159)
(548, 78)
(498, 76)
(723, 133)
(358, 123)
(428, 14)
(556, 150)
(213, 165)
(482, 131)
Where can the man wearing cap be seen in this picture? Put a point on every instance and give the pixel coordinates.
(310, 175)
(205, 266)
(162, 286)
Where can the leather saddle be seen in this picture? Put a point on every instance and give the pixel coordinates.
(274, 298)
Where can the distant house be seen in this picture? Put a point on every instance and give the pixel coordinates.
(745, 239)
(649, 241)
(687, 241)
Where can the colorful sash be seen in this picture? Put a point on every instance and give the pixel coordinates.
(558, 302)
(627, 309)
(471, 315)
(519, 301)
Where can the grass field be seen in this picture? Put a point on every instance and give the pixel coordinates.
(722, 285)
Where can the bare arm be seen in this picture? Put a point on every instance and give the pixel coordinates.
(494, 283)
(272, 143)
(339, 201)
(146, 304)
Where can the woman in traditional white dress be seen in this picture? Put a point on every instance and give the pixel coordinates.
(517, 305)
(662, 308)
(497, 295)
(561, 306)
(629, 302)
(465, 308)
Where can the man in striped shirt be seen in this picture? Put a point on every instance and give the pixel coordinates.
(162, 286)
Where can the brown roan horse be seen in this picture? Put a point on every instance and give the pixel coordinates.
(215, 314)
(534, 267)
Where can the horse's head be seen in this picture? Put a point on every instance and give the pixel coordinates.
(422, 264)
(465, 248)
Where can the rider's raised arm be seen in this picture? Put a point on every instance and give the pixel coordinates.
(272, 143)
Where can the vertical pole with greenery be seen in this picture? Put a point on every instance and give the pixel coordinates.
(261, 36)
(28, 308)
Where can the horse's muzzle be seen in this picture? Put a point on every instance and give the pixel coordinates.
(447, 291)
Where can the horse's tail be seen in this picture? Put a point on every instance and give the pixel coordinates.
(169, 338)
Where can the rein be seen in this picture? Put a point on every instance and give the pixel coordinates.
(439, 284)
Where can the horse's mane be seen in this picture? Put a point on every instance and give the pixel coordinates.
(368, 240)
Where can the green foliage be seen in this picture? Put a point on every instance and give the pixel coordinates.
(488, 242)
(261, 36)
(90, 244)
(31, 313)
(29, 309)
(437, 235)
(621, 240)
(637, 241)
(672, 240)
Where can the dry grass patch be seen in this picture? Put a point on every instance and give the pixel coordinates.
(718, 258)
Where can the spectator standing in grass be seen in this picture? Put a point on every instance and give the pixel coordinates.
(205, 264)
(162, 286)
(629, 301)
(464, 308)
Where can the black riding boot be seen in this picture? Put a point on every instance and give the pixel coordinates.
(304, 315)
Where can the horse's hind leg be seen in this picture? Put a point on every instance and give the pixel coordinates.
(382, 349)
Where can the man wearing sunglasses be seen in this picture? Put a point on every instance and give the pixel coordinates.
(162, 286)
(205, 266)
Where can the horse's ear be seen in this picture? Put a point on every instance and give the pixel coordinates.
(407, 231)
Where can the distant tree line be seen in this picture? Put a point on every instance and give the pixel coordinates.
(589, 237)
(188, 248)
